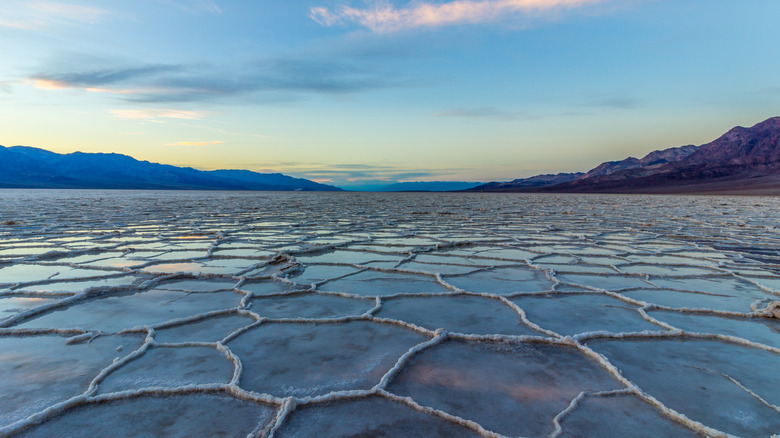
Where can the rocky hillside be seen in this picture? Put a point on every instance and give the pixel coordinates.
(744, 160)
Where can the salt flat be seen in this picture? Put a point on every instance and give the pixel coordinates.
(409, 314)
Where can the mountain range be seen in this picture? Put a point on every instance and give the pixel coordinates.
(742, 161)
(28, 167)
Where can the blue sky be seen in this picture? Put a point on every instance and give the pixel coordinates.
(346, 91)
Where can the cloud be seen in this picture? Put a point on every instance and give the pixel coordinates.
(485, 113)
(412, 175)
(36, 15)
(48, 84)
(195, 143)
(346, 174)
(100, 77)
(767, 90)
(272, 79)
(197, 6)
(69, 12)
(615, 103)
(383, 17)
(147, 114)
(500, 114)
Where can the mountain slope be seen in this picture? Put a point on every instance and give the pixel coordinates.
(744, 160)
(528, 183)
(741, 160)
(652, 159)
(756, 147)
(27, 167)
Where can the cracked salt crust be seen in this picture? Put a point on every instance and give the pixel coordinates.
(262, 314)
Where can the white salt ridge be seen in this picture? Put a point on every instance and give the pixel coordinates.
(545, 251)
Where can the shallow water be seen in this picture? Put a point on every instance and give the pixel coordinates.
(291, 314)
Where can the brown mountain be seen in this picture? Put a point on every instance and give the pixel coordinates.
(742, 161)
(652, 159)
(756, 148)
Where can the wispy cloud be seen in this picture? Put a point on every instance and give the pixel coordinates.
(384, 17)
(101, 77)
(621, 103)
(36, 15)
(5, 86)
(151, 114)
(355, 173)
(275, 79)
(196, 143)
(409, 176)
(197, 6)
(69, 11)
(508, 115)
(768, 90)
(485, 113)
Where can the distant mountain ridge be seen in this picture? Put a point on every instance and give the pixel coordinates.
(425, 186)
(29, 167)
(528, 183)
(744, 160)
(652, 159)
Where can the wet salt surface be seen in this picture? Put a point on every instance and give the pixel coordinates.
(348, 314)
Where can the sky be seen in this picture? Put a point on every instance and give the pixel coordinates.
(348, 92)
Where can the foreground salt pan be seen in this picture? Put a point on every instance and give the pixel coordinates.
(511, 389)
(177, 416)
(342, 314)
(368, 417)
(289, 359)
(692, 376)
